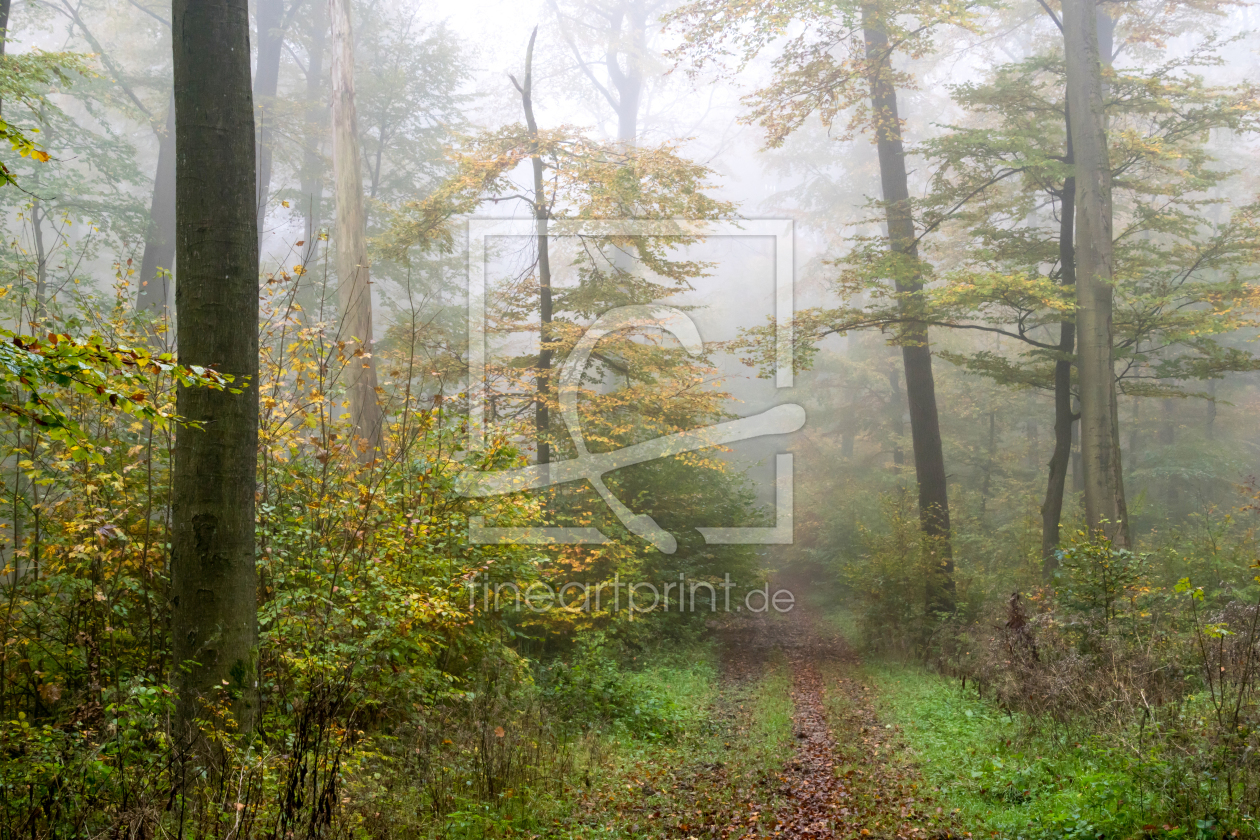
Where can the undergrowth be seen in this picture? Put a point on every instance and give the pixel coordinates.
(1012, 776)
(718, 771)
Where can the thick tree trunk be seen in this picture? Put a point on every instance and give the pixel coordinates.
(1064, 417)
(270, 16)
(154, 295)
(354, 290)
(214, 606)
(925, 430)
(1100, 429)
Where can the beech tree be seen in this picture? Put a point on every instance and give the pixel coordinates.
(272, 21)
(841, 67)
(214, 606)
(1105, 506)
(619, 31)
(541, 207)
(916, 352)
(1003, 184)
(125, 89)
(1177, 275)
(573, 178)
(158, 260)
(354, 289)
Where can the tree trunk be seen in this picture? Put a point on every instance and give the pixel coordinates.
(1105, 508)
(1078, 471)
(1131, 459)
(1211, 410)
(154, 295)
(214, 604)
(1064, 416)
(1034, 442)
(897, 409)
(1167, 440)
(629, 81)
(266, 82)
(848, 431)
(5, 6)
(925, 430)
(311, 180)
(542, 415)
(38, 214)
(354, 289)
(990, 454)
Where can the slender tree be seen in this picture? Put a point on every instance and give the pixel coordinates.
(311, 178)
(541, 208)
(271, 25)
(819, 72)
(621, 27)
(214, 623)
(1100, 427)
(1064, 416)
(158, 260)
(916, 352)
(354, 290)
(5, 5)
(1178, 289)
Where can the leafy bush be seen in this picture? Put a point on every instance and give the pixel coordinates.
(594, 688)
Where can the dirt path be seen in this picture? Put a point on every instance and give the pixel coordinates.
(845, 778)
(793, 748)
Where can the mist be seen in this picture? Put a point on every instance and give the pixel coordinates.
(629, 418)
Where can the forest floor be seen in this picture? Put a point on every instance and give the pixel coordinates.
(795, 749)
(847, 776)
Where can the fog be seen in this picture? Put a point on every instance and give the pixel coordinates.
(327, 323)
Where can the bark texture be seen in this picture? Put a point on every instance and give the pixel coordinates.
(214, 621)
(1105, 507)
(916, 353)
(354, 289)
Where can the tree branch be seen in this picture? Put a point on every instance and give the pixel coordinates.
(582, 64)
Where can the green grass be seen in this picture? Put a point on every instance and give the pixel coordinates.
(770, 742)
(717, 765)
(707, 759)
(1006, 776)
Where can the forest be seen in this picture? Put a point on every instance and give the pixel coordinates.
(679, 419)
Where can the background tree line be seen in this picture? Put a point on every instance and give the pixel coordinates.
(236, 407)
